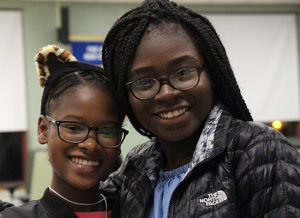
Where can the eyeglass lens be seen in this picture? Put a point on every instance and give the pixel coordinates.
(76, 132)
(183, 79)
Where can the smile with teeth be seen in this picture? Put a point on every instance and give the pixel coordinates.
(172, 114)
(84, 162)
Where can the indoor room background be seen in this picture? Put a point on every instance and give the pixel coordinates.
(262, 38)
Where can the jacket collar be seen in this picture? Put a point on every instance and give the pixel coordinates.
(206, 145)
(212, 142)
(55, 205)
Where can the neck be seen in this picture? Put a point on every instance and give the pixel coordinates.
(172, 160)
(75, 202)
(179, 153)
(83, 194)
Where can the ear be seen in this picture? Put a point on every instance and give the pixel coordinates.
(42, 130)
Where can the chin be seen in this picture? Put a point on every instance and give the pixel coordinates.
(172, 138)
(87, 185)
(180, 136)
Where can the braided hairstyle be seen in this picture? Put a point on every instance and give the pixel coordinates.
(59, 71)
(124, 37)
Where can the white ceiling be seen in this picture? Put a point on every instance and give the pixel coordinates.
(185, 1)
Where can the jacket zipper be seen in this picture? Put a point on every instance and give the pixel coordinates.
(185, 179)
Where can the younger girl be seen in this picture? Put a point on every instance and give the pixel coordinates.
(81, 124)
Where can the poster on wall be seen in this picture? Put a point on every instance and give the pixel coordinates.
(87, 50)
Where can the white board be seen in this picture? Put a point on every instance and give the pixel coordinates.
(12, 74)
(263, 51)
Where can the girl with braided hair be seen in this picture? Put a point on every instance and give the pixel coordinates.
(206, 157)
(81, 123)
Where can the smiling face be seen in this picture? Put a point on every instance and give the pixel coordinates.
(80, 165)
(172, 115)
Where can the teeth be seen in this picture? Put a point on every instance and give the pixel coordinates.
(85, 162)
(172, 114)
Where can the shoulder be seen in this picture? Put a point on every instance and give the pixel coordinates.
(264, 160)
(23, 211)
(141, 156)
(113, 203)
(137, 158)
(254, 145)
(144, 150)
(245, 135)
(4, 205)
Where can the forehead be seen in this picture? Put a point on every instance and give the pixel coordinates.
(168, 34)
(84, 98)
(164, 44)
(164, 27)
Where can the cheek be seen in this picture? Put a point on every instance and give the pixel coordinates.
(204, 95)
(204, 89)
(204, 99)
(139, 108)
(56, 149)
(53, 156)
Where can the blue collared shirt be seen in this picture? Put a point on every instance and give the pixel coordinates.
(166, 184)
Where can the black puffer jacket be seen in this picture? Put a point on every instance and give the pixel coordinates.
(244, 169)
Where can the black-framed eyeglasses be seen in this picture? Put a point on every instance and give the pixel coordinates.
(75, 132)
(183, 79)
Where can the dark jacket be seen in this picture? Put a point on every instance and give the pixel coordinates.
(4, 205)
(242, 169)
(49, 206)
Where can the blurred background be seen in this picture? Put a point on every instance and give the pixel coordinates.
(261, 37)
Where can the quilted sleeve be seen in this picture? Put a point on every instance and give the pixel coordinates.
(113, 184)
(267, 172)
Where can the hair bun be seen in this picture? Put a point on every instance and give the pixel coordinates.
(41, 60)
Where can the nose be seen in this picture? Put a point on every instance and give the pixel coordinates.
(90, 143)
(166, 93)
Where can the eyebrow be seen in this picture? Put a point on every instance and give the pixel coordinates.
(173, 62)
(75, 119)
(181, 59)
(140, 70)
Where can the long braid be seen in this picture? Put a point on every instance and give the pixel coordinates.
(227, 90)
(127, 39)
(122, 40)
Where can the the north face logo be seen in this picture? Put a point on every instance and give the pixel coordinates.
(213, 198)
